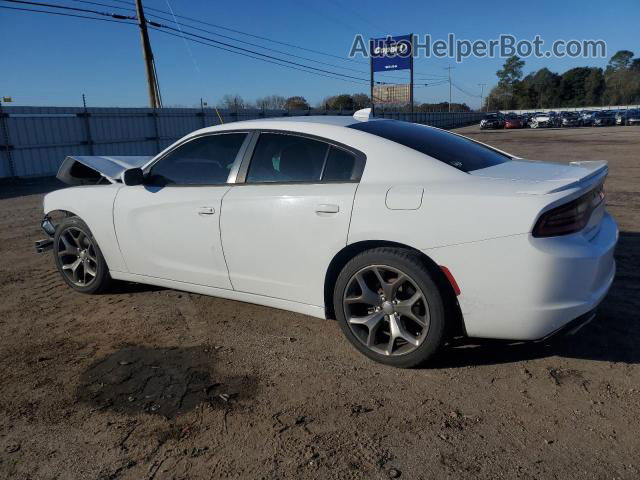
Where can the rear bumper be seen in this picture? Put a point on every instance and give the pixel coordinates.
(573, 327)
(525, 288)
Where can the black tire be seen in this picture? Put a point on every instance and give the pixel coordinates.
(101, 281)
(414, 267)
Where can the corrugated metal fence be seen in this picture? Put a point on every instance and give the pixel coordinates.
(35, 140)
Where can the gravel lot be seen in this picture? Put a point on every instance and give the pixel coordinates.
(154, 383)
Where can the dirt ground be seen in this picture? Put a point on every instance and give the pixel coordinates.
(151, 383)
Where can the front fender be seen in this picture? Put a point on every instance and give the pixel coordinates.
(94, 205)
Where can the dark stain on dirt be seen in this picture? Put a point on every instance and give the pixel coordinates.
(161, 381)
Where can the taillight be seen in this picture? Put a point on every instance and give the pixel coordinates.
(570, 217)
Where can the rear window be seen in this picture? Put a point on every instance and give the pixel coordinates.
(459, 152)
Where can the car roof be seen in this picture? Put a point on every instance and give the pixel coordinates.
(312, 124)
(335, 120)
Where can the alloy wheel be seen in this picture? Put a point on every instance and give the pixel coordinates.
(386, 310)
(77, 256)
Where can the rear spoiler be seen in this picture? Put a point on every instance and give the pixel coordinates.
(599, 169)
(596, 171)
(90, 170)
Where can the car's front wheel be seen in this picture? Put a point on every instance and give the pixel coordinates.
(390, 308)
(78, 257)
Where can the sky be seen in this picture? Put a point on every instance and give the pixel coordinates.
(52, 60)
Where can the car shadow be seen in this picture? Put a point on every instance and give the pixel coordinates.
(161, 381)
(613, 336)
(120, 287)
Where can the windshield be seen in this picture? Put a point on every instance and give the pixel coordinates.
(459, 152)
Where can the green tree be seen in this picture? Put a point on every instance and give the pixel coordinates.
(618, 84)
(594, 86)
(620, 60)
(622, 78)
(573, 87)
(442, 107)
(511, 71)
(505, 95)
(339, 102)
(296, 103)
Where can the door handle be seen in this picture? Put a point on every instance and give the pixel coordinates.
(206, 211)
(327, 208)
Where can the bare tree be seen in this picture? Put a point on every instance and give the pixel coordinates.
(271, 102)
(360, 100)
(232, 102)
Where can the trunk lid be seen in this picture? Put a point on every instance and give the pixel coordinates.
(538, 178)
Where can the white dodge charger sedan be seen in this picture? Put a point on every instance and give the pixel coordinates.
(406, 234)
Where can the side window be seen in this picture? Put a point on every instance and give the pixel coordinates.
(286, 158)
(203, 161)
(340, 166)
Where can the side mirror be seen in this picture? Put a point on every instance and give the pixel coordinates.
(132, 177)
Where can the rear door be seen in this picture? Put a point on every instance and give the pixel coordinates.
(283, 225)
(169, 227)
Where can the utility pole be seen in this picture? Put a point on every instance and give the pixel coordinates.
(373, 103)
(155, 101)
(450, 68)
(482, 85)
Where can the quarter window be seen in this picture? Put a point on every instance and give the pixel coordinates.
(203, 161)
(340, 166)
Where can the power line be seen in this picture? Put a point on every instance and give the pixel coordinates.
(435, 84)
(248, 34)
(433, 76)
(175, 35)
(34, 10)
(63, 7)
(181, 25)
(230, 46)
(257, 58)
(178, 24)
(253, 52)
(457, 87)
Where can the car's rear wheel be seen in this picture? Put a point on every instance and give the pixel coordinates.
(78, 257)
(390, 308)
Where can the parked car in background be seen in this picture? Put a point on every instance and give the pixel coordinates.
(554, 119)
(338, 217)
(526, 117)
(570, 119)
(541, 120)
(492, 120)
(621, 117)
(603, 119)
(633, 117)
(513, 121)
(587, 117)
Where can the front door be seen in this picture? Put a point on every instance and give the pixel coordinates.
(169, 228)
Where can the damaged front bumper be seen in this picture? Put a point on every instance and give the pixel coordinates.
(50, 229)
